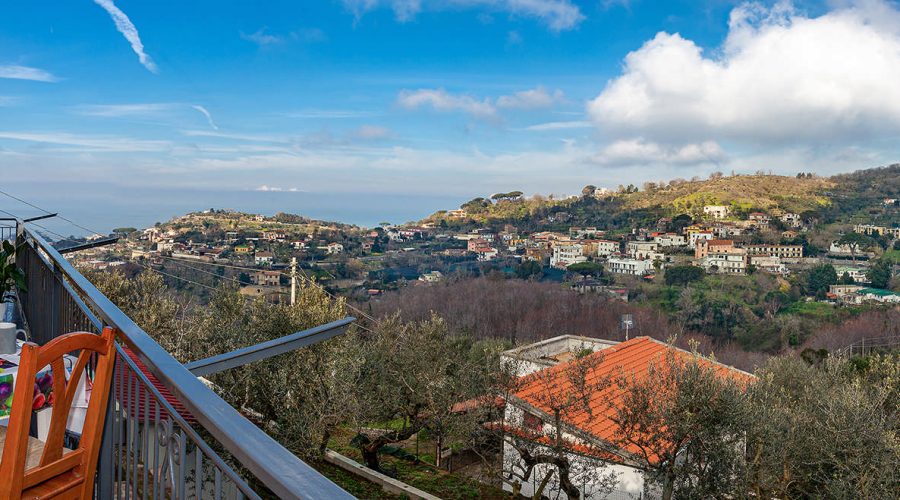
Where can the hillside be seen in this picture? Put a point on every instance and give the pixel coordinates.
(838, 197)
(742, 192)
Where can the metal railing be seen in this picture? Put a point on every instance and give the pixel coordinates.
(869, 345)
(164, 426)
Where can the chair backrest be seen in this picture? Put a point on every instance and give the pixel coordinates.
(72, 472)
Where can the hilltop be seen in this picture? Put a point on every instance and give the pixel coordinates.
(741, 192)
(839, 195)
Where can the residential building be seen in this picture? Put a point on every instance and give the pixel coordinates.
(792, 219)
(624, 265)
(697, 236)
(768, 264)
(584, 232)
(876, 295)
(243, 249)
(869, 229)
(266, 278)
(641, 249)
(566, 254)
(759, 218)
(705, 247)
(782, 251)
(334, 248)
(589, 431)
(457, 214)
(264, 258)
(731, 261)
(857, 273)
(550, 352)
(716, 211)
(432, 277)
(667, 240)
(607, 247)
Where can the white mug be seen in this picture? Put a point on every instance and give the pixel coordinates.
(8, 334)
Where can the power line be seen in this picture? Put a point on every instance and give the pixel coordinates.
(32, 205)
(175, 276)
(302, 271)
(305, 276)
(36, 224)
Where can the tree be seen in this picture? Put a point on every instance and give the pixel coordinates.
(544, 447)
(588, 190)
(846, 279)
(823, 430)
(819, 278)
(412, 374)
(530, 269)
(683, 275)
(880, 273)
(586, 268)
(855, 242)
(685, 424)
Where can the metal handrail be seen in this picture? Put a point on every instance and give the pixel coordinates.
(280, 470)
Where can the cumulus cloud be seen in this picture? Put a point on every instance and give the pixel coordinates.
(17, 72)
(208, 116)
(641, 152)
(486, 108)
(780, 77)
(127, 29)
(558, 15)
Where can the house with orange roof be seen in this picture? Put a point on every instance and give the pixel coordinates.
(588, 427)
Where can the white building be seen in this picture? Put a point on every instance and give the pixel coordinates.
(768, 264)
(623, 265)
(606, 247)
(670, 240)
(641, 249)
(699, 235)
(716, 211)
(566, 254)
(587, 432)
(730, 262)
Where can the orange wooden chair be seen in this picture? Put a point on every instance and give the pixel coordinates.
(33, 469)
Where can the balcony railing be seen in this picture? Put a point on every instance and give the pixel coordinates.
(167, 434)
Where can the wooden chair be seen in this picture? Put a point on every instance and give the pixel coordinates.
(33, 469)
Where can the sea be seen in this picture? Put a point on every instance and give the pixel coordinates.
(101, 208)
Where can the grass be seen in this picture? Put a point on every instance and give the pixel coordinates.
(419, 475)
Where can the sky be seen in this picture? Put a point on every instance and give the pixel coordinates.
(375, 109)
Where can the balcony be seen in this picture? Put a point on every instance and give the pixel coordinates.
(166, 433)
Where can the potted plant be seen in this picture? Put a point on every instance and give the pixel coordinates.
(10, 274)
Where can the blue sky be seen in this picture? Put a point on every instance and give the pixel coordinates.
(451, 99)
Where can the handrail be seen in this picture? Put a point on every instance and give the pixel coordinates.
(279, 469)
(268, 349)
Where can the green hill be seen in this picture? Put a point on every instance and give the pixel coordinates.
(742, 192)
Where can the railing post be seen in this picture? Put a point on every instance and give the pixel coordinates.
(106, 466)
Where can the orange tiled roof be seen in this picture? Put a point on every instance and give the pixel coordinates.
(633, 357)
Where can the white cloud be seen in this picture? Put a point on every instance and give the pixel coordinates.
(558, 15)
(641, 152)
(17, 72)
(441, 100)
(102, 143)
(127, 29)
(542, 127)
(530, 99)
(261, 38)
(276, 189)
(208, 116)
(780, 78)
(123, 110)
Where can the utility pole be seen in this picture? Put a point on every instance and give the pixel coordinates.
(293, 280)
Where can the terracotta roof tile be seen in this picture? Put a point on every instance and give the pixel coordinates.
(633, 357)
